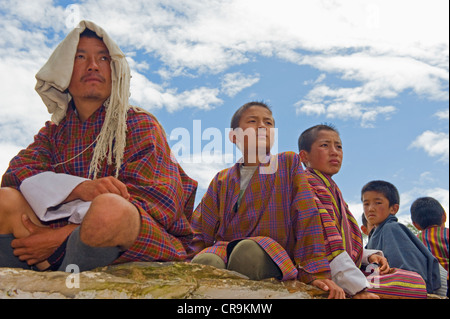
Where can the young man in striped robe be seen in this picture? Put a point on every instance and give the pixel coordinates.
(321, 152)
(259, 217)
(428, 216)
(98, 184)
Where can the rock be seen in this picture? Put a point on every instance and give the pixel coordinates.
(148, 281)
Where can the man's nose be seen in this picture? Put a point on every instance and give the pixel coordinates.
(262, 124)
(334, 149)
(92, 65)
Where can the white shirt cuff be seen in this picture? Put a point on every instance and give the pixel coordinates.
(46, 191)
(346, 275)
(369, 252)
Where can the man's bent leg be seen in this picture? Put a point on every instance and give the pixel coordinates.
(209, 259)
(248, 258)
(110, 221)
(7, 258)
(12, 206)
(110, 226)
(86, 257)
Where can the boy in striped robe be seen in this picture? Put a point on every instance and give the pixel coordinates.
(428, 216)
(321, 152)
(259, 216)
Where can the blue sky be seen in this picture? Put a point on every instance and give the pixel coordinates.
(377, 70)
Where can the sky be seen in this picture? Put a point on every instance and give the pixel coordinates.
(378, 70)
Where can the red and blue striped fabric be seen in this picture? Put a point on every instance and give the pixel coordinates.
(277, 211)
(398, 284)
(342, 233)
(159, 188)
(340, 227)
(435, 238)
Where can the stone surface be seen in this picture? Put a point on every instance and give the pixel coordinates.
(148, 281)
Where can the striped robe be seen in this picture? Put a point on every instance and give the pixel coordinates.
(159, 188)
(342, 233)
(435, 238)
(340, 227)
(277, 211)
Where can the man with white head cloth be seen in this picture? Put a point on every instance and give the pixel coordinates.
(98, 185)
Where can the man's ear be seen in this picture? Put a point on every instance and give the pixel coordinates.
(394, 209)
(304, 156)
(232, 136)
(417, 226)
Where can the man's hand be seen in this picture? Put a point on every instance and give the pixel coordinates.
(382, 263)
(335, 292)
(88, 190)
(365, 295)
(41, 242)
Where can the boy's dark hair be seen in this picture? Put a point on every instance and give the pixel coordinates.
(237, 115)
(309, 136)
(387, 189)
(88, 33)
(426, 212)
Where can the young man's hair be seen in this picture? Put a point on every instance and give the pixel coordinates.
(387, 189)
(309, 136)
(426, 212)
(88, 33)
(238, 114)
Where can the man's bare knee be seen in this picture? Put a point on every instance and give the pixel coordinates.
(10, 198)
(12, 206)
(110, 221)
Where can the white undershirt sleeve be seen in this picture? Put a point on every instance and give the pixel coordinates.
(346, 275)
(369, 252)
(46, 191)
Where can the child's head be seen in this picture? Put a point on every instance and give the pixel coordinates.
(380, 199)
(320, 148)
(253, 129)
(426, 212)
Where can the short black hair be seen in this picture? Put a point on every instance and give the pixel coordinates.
(88, 33)
(426, 212)
(309, 136)
(238, 114)
(387, 189)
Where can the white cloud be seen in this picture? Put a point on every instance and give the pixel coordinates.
(379, 77)
(344, 103)
(356, 208)
(40, 13)
(152, 96)
(310, 108)
(366, 43)
(433, 143)
(443, 115)
(8, 151)
(233, 83)
(203, 167)
(22, 112)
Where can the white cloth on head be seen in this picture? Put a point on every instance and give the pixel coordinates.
(53, 80)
